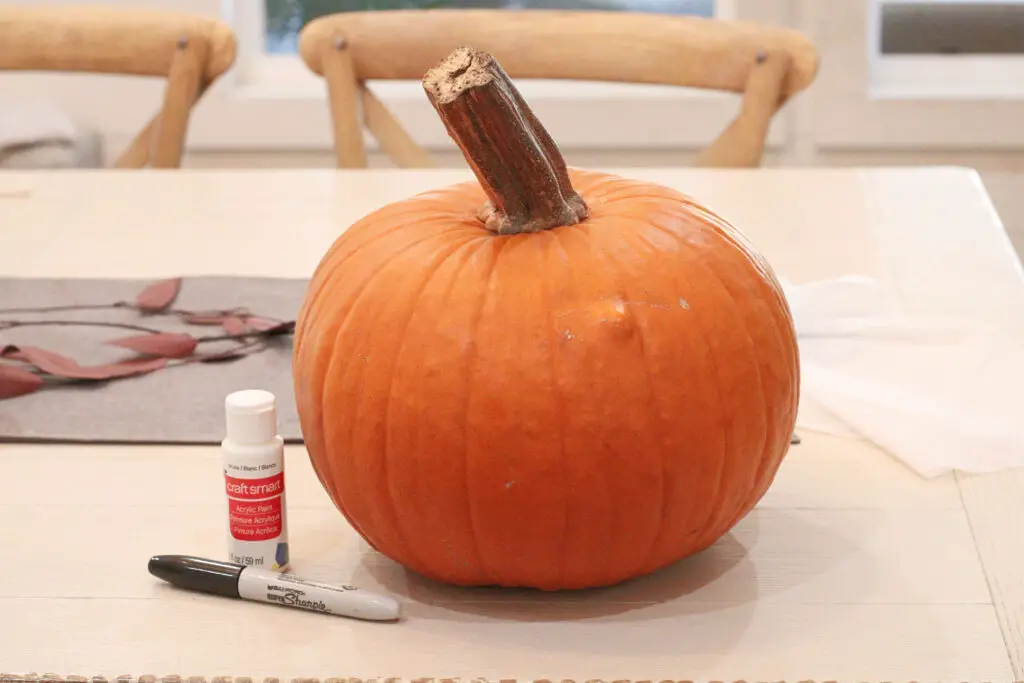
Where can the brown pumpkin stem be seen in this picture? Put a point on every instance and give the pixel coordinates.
(513, 157)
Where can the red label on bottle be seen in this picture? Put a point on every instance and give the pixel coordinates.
(255, 520)
(254, 489)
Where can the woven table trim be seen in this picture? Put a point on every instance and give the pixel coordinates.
(54, 678)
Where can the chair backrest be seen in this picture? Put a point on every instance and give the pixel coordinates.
(190, 51)
(767, 64)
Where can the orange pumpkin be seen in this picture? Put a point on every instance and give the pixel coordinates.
(549, 377)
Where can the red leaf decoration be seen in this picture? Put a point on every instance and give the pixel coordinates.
(62, 366)
(47, 361)
(165, 344)
(205, 318)
(159, 295)
(17, 381)
(234, 325)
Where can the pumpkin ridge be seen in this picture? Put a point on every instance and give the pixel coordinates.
(734, 239)
(550, 252)
(603, 565)
(357, 237)
(699, 530)
(315, 295)
(580, 233)
(385, 451)
(773, 440)
(766, 439)
(776, 442)
(333, 465)
(319, 283)
(712, 524)
(385, 508)
(471, 360)
(742, 248)
(653, 405)
(729, 233)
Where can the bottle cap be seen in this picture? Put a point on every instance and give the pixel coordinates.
(251, 417)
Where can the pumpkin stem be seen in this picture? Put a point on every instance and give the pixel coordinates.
(513, 157)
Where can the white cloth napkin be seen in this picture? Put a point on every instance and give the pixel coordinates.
(938, 394)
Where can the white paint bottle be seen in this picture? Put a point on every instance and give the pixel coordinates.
(253, 461)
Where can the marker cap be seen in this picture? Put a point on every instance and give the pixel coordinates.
(196, 573)
(251, 416)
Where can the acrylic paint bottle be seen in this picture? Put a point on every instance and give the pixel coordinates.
(253, 459)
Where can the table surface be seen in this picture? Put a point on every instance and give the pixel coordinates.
(851, 567)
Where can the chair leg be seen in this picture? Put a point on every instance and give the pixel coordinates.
(136, 154)
(741, 144)
(141, 151)
(343, 96)
(393, 139)
(183, 87)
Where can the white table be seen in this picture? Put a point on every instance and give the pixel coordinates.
(851, 568)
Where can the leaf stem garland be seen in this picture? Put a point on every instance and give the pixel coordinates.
(25, 369)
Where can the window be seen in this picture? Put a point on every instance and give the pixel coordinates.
(270, 74)
(269, 30)
(912, 75)
(285, 18)
(946, 49)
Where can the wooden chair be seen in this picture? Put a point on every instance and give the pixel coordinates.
(768, 65)
(190, 51)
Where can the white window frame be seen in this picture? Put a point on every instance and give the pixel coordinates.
(266, 105)
(864, 100)
(945, 77)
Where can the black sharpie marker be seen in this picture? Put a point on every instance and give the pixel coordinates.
(251, 583)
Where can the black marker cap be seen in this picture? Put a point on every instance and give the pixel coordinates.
(198, 574)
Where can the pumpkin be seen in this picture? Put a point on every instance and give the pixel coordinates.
(547, 377)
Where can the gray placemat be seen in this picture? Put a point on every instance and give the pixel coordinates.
(179, 404)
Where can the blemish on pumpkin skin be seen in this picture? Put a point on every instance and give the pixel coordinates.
(609, 318)
(619, 306)
(660, 307)
(509, 484)
(617, 319)
(615, 316)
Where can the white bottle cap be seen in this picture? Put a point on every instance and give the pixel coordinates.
(251, 417)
